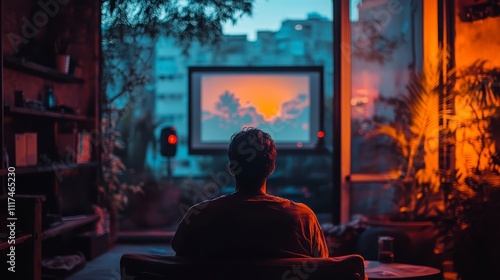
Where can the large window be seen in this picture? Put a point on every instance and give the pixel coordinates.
(279, 33)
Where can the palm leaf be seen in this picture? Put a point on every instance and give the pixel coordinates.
(416, 130)
(492, 179)
(395, 134)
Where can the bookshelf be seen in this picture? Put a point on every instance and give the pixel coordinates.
(69, 187)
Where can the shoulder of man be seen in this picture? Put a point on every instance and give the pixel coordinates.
(300, 207)
(305, 209)
(199, 212)
(209, 203)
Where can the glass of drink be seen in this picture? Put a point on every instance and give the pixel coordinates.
(385, 249)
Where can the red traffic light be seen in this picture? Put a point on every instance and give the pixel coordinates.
(168, 142)
(172, 139)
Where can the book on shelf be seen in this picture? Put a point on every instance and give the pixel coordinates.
(31, 149)
(83, 148)
(26, 149)
(20, 144)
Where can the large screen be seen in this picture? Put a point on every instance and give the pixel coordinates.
(286, 102)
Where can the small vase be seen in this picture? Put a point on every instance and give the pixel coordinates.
(62, 63)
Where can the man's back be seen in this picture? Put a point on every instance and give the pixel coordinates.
(238, 226)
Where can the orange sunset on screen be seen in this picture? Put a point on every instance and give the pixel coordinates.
(265, 93)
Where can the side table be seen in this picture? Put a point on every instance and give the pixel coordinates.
(400, 271)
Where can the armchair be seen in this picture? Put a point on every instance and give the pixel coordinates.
(156, 267)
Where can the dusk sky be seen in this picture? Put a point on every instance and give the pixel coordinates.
(266, 93)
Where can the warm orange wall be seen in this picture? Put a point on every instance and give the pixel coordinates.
(477, 40)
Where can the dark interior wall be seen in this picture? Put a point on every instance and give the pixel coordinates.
(30, 30)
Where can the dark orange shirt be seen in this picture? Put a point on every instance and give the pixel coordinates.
(239, 226)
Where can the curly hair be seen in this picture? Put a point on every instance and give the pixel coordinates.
(252, 155)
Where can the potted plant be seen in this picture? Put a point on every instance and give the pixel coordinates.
(62, 57)
(469, 223)
(68, 32)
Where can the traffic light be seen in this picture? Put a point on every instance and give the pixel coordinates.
(168, 142)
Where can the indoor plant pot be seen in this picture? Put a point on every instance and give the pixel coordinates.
(62, 63)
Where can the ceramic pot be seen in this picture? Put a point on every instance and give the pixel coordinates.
(62, 63)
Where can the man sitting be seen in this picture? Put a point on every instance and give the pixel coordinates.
(250, 223)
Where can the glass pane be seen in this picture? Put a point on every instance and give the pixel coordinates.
(384, 52)
(372, 199)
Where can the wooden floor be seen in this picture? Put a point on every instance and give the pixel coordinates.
(107, 266)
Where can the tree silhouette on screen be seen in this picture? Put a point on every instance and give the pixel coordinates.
(229, 105)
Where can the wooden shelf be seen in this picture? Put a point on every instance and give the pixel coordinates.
(48, 114)
(4, 244)
(49, 168)
(68, 224)
(42, 71)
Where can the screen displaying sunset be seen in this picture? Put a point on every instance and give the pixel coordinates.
(277, 103)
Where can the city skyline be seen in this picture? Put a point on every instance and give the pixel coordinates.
(269, 14)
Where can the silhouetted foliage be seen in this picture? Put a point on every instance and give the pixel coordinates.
(130, 27)
(130, 30)
(469, 225)
(185, 20)
(413, 133)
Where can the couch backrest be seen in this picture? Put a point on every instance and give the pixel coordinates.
(149, 266)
